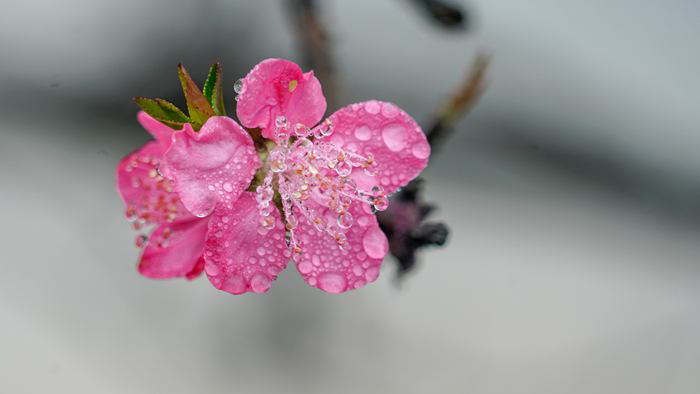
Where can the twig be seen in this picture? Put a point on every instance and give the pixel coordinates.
(461, 101)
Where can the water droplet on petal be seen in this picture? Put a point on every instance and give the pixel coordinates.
(363, 133)
(357, 270)
(394, 136)
(305, 267)
(332, 282)
(238, 86)
(375, 243)
(259, 283)
(281, 122)
(300, 130)
(371, 274)
(421, 150)
(389, 110)
(234, 284)
(372, 107)
(343, 168)
(211, 269)
(345, 220)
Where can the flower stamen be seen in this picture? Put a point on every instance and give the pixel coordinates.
(312, 166)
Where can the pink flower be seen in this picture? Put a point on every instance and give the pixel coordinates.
(175, 246)
(327, 180)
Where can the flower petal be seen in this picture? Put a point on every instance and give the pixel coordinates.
(174, 250)
(197, 269)
(148, 196)
(162, 133)
(212, 166)
(277, 87)
(397, 143)
(239, 255)
(325, 266)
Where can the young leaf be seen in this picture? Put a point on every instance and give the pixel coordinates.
(197, 105)
(163, 111)
(213, 91)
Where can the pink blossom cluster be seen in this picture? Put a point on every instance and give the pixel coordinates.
(218, 203)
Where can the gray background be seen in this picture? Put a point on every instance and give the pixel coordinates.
(571, 191)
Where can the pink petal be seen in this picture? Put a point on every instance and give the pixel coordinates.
(148, 196)
(212, 166)
(197, 269)
(394, 139)
(174, 250)
(162, 133)
(239, 256)
(325, 266)
(266, 95)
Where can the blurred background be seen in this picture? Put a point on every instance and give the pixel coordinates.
(571, 190)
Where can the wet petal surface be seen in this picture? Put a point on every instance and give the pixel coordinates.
(240, 256)
(148, 196)
(325, 265)
(277, 87)
(212, 166)
(386, 133)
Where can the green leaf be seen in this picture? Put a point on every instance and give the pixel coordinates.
(197, 105)
(163, 111)
(213, 91)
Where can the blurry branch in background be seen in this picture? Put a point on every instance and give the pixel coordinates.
(313, 39)
(444, 13)
(459, 103)
(404, 221)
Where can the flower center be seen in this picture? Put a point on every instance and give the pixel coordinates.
(304, 165)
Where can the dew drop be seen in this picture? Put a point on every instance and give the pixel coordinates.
(372, 107)
(371, 274)
(357, 270)
(260, 283)
(421, 150)
(227, 187)
(238, 86)
(305, 267)
(345, 220)
(332, 282)
(394, 136)
(375, 243)
(363, 133)
(389, 110)
(234, 284)
(211, 269)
